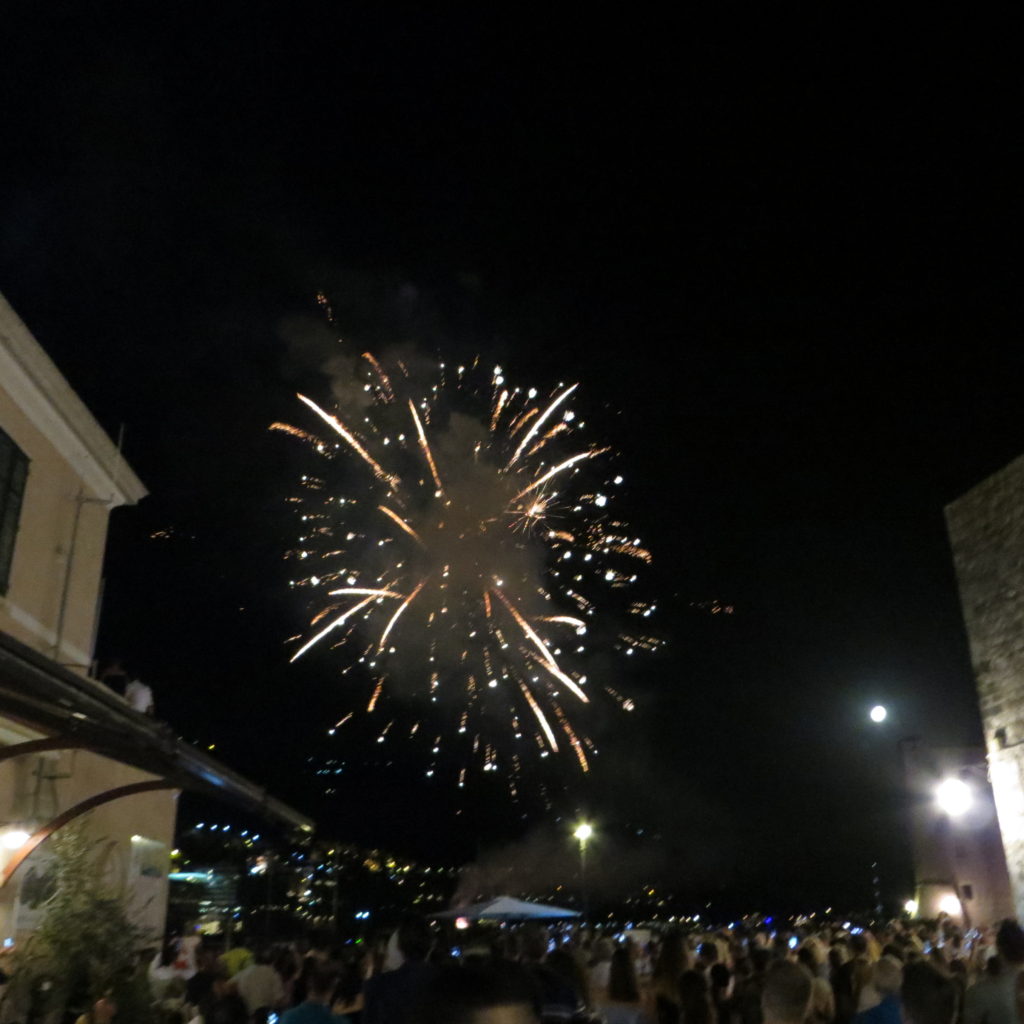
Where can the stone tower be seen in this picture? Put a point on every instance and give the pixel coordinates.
(986, 529)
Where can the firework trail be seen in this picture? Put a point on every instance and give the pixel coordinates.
(461, 553)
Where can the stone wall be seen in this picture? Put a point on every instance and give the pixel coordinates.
(986, 529)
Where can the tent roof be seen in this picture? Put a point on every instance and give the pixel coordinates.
(505, 908)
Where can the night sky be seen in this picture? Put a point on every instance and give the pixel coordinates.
(783, 266)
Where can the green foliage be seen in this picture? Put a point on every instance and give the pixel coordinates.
(86, 945)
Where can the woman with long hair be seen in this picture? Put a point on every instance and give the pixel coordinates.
(570, 972)
(672, 960)
(622, 1005)
(695, 998)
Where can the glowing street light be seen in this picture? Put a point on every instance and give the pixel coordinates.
(583, 833)
(954, 796)
(911, 907)
(950, 904)
(13, 839)
(879, 713)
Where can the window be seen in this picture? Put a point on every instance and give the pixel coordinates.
(13, 470)
(967, 892)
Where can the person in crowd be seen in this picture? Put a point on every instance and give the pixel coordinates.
(849, 980)
(958, 974)
(104, 1011)
(719, 980)
(622, 1004)
(749, 986)
(189, 945)
(882, 993)
(994, 999)
(259, 984)
(695, 998)
(348, 993)
(115, 675)
(236, 958)
(480, 993)
(823, 1002)
(321, 980)
(287, 967)
(838, 954)
(224, 1005)
(199, 987)
(812, 955)
(162, 971)
(388, 997)
(787, 994)
(600, 968)
(938, 960)
(986, 1000)
(568, 967)
(672, 960)
(139, 696)
(927, 996)
(558, 1000)
(707, 954)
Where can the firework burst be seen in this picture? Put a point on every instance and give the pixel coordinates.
(460, 551)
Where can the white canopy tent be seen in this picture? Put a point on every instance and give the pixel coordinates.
(505, 908)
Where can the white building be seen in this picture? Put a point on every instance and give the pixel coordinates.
(70, 748)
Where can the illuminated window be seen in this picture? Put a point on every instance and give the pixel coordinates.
(13, 470)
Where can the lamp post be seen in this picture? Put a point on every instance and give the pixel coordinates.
(583, 832)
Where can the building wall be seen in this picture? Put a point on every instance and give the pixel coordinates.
(134, 834)
(43, 558)
(986, 529)
(960, 858)
(76, 476)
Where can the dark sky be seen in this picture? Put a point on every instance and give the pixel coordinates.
(783, 265)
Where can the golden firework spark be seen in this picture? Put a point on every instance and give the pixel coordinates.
(484, 579)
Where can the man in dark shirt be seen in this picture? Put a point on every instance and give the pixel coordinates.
(224, 1005)
(390, 997)
(199, 987)
(928, 997)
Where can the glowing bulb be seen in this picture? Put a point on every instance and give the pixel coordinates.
(949, 904)
(879, 713)
(15, 838)
(954, 796)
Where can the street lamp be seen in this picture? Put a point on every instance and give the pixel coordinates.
(879, 713)
(954, 796)
(14, 838)
(583, 832)
(950, 904)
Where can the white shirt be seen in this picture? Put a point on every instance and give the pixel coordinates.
(139, 696)
(259, 985)
(600, 975)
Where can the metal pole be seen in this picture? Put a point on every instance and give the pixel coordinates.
(266, 916)
(583, 879)
(336, 896)
(68, 564)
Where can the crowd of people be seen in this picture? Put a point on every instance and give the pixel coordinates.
(904, 973)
